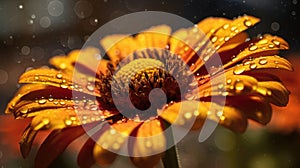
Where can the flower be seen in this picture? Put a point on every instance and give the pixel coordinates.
(148, 61)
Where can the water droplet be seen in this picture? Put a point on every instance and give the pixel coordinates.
(239, 86)
(187, 115)
(24, 111)
(42, 101)
(276, 42)
(228, 81)
(90, 87)
(275, 26)
(233, 28)
(271, 46)
(55, 8)
(253, 47)
(21, 6)
(45, 22)
(196, 113)
(3, 76)
(116, 146)
(50, 99)
(226, 26)
(214, 39)
(68, 122)
(62, 102)
(59, 76)
(238, 70)
(253, 66)
(263, 41)
(219, 113)
(64, 86)
(263, 61)
(227, 38)
(148, 144)
(247, 23)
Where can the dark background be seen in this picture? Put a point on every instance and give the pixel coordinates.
(31, 31)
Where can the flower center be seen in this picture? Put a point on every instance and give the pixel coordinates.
(146, 81)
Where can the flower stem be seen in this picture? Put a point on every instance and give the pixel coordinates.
(171, 158)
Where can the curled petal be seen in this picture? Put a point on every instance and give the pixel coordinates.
(85, 157)
(58, 139)
(230, 30)
(266, 46)
(149, 144)
(256, 108)
(276, 92)
(27, 140)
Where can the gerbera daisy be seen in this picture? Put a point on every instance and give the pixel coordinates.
(149, 64)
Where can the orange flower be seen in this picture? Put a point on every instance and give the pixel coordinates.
(148, 61)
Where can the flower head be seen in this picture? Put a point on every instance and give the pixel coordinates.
(150, 81)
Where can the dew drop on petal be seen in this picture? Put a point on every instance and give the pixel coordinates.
(247, 23)
(42, 101)
(276, 42)
(239, 86)
(187, 115)
(253, 66)
(263, 61)
(238, 70)
(68, 122)
(214, 39)
(59, 76)
(64, 86)
(253, 48)
(24, 111)
(148, 144)
(264, 41)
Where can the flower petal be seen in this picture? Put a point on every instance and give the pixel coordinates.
(85, 157)
(88, 60)
(149, 144)
(120, 46)
(58, 139)
(230, 30)
(56, 78)
(112, 140)
(27, 140)
(211, 24)
(256, 108)
(266, 46)
(228, 116)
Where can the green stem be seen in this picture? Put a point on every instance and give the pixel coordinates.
(171, 158)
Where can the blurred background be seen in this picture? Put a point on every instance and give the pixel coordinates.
(31, 31)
